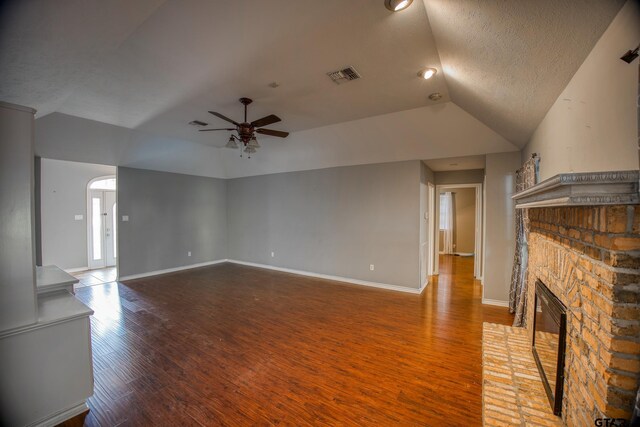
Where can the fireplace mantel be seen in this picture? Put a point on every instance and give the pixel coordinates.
(582, 189)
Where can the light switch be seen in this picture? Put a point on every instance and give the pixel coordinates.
(79, 217)
(125, 218)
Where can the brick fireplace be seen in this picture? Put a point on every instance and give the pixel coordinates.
(584, 245)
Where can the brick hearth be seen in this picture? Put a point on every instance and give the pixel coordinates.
(512, 393)
(589, 257)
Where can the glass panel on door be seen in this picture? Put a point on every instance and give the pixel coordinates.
(96, 227)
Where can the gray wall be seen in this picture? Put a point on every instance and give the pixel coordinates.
(500, 225)
(471, 176)
(17, 254)
(63, 194)
(169, 215)
(333, 221)
(426, 174)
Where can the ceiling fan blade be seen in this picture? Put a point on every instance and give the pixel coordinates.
(224, 118)
(272, 132)
(265, 121)
(207, 130)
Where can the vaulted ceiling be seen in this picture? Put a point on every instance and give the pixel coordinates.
(151, 66)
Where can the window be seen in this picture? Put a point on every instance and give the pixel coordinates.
(103, 184)
(446, 210)
(114, 217)
(96, 224)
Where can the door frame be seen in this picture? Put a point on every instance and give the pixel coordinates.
(426, 249)
(88, 216)
(478, 237)
(431, 197)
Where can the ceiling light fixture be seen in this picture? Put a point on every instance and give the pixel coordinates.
(397, 5)
(232, 143)
(253, 143)
(427, 73)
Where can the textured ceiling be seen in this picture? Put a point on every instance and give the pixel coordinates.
(506, 62)
(456, 163)
(169, 63)
(151, 66)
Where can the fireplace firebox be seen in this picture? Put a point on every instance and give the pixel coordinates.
(549, 343)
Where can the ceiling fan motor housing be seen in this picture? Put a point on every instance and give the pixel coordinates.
(245, 131)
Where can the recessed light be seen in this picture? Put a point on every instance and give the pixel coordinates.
(435, 96)
(427, 73)
(397, 5)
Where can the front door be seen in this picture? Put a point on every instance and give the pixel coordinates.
(110, 228)
(102, 228)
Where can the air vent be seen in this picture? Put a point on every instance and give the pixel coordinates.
(197, 123)
(345, 75)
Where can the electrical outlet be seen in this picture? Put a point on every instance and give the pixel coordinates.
(371, 267)
(273, 254)
(125, 218)
(78, 217)
(189, 253)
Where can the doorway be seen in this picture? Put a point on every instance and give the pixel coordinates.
(427, 221)
(458, 230)
(102, 206)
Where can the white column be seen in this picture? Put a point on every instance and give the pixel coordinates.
(17, 275)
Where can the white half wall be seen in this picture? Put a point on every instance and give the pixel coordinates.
(592, 126)
(63, 196)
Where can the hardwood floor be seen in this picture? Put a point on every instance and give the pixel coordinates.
(235, 345)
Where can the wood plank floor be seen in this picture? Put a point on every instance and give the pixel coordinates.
(235, 345)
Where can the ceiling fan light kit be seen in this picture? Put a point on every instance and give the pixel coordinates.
(246, 131)
(232, 143)
(253, 143)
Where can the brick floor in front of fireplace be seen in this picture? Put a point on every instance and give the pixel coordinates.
(512, 391)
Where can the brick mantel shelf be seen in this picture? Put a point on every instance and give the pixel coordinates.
(582, 189)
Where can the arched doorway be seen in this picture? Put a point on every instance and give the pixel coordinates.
(102, 222)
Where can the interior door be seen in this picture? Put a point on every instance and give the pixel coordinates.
(431, 221)
(424, 234)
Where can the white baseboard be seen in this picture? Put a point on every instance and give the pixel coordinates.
(170, 270)
(336, 278)
(75, 270)
(61, 416)
(497, 302)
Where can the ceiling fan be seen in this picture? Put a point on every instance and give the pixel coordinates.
(246, 131)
